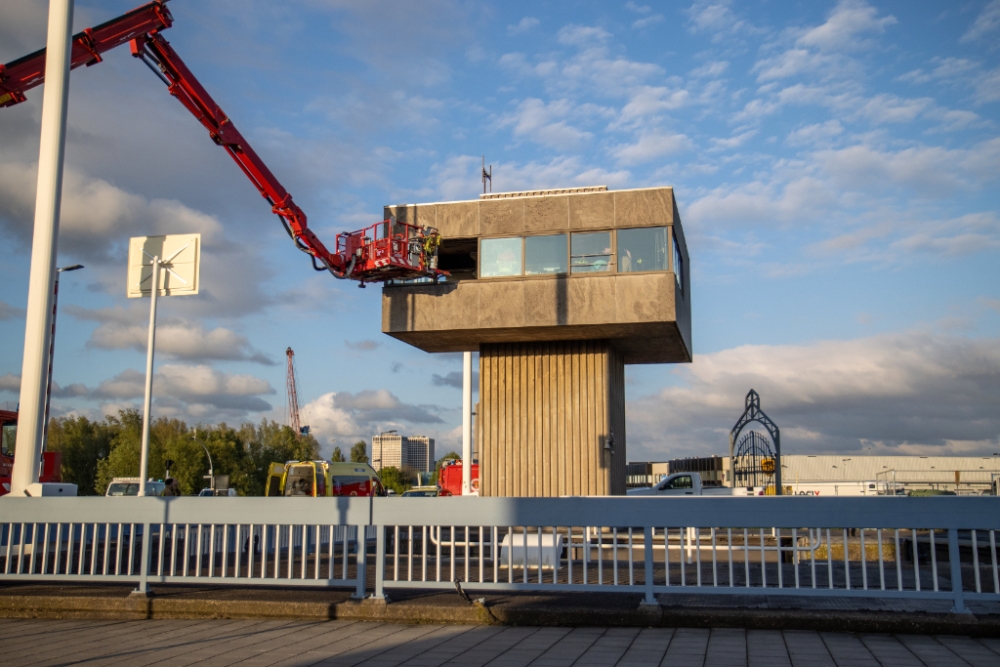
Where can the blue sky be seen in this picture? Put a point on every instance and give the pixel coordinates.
(835, 165)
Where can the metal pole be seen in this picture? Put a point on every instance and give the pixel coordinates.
(52, 353)
(144, 459)
(43, 247)
(466, 423)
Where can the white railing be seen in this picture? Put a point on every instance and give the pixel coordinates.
(933, 548)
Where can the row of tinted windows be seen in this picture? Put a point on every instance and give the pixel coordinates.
(634, 250)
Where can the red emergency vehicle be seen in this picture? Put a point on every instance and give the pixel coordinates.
(450, 478)
(51, 461)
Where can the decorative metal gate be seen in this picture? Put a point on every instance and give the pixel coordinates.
(753, 460)
(753, 457)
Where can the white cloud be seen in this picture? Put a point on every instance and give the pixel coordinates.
(366, 345)
(711, 69)
(715, 16)
(799, 200)
(647, 21)
(195, 387)
(348, 416)
(812, 135)
(524, 25)
(719, 144)
(546, 123)
(9, 312)
(987, 22)
(97, 217)
(885, 108)
(897, 238)
(10, 382)
(184, 340)
(903, 390)
(651, 146)
(647, 102)
(583, 36)
(848, 20)
(927, 170)
(797, 61)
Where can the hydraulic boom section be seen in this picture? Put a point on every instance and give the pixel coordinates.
(388, 250)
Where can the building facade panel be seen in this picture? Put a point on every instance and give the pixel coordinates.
(552, 419)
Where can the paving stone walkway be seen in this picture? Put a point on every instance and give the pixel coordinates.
(269, 643)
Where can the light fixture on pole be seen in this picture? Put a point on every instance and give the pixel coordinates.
(211, 468)
(149, 273)
(52, 351)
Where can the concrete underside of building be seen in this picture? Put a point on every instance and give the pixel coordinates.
(553, 337)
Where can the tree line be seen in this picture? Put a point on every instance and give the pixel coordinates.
(94, 452)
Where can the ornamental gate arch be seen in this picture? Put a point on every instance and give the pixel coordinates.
(752, 455)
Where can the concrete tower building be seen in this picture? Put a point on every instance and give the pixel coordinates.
(557, 290)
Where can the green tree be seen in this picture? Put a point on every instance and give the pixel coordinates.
(267, 443)
(359, 452)
(440, 462)
(337, 456)
(399, 480)
(83, 444)
(125, 447)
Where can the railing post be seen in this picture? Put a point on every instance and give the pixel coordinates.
(144, 564)
(647, 552)
(361, 556)
(958, 593)
(379, 593)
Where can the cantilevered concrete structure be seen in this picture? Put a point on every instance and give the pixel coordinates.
(557, 290)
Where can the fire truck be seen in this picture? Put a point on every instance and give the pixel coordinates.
(450, 478)
(386, 250)
(51, 461)
(322, 478)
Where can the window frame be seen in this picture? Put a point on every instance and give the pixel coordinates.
(627, 229)
(674, 253)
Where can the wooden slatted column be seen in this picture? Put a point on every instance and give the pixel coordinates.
(546, 413)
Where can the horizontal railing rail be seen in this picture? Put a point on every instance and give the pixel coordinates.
(932, 548)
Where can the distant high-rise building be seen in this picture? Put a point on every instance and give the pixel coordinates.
(389, 450)
(421, 453)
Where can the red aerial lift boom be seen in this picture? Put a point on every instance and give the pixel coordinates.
(387, 250)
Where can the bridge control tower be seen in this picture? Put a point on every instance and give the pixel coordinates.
(557, 290)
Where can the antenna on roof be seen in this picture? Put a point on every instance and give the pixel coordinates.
(487, 176)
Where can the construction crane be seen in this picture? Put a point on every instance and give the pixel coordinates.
(293, 397)
(386, 250)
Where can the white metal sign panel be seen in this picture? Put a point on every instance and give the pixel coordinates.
(180, 264)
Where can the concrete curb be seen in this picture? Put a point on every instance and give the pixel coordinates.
(496, 613)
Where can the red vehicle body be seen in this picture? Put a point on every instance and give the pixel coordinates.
(51, 461)
(450, 478)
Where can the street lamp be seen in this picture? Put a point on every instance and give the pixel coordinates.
(52, 350)
(211, 468)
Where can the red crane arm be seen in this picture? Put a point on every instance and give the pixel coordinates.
(387, 250)
(183, 85)
(25, 73)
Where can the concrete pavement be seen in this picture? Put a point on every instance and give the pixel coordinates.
(291, 643)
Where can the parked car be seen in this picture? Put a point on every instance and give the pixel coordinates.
(421, 492)
(129, 486)
(220, 493)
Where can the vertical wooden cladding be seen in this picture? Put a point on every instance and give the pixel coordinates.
(547, 410)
